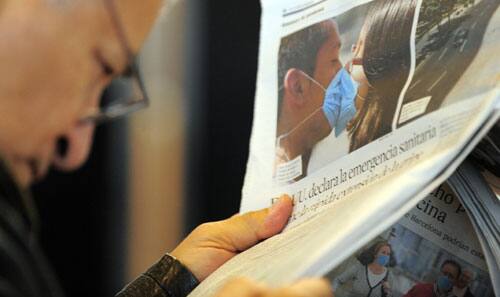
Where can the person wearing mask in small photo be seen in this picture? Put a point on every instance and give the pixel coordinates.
(443, 286)
(370, 276)
(316, 93)
(381, 66)
(462, 287)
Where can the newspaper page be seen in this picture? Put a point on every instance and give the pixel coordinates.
(487, 156)
(493, 181)
(313, 248)
(362, 109)
(351, 92)
(433, 248)
(481, 203)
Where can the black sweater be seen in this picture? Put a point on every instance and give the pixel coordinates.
(25, 272)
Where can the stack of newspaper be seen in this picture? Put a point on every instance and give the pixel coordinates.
(365, 112)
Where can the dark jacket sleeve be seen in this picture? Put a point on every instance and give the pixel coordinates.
(167, 278)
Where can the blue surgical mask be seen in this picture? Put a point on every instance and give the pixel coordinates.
(383, 260)
(444, 283)
(339, 103)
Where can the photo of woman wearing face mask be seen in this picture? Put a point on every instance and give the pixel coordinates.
(370, 276)
(381, 66)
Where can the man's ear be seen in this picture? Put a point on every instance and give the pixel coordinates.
(295, 85)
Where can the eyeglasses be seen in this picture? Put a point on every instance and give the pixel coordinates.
(126, 93)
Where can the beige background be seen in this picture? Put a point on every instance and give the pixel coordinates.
(157, 148)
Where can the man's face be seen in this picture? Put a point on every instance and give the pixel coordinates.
(464, 279)
(328, 64)
(57, 57)
(450, 271)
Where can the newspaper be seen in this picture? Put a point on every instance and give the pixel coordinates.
(362, 108)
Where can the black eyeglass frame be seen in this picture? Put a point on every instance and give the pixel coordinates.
(132, 71)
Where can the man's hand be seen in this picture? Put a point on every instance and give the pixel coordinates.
(212, 244)
(304, 288)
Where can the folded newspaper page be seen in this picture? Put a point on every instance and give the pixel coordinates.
(472, 183)
(362, 108)
(487, 156)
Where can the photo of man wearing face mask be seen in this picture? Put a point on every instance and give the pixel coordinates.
(462, 287)
(316, 93)
(442, 287)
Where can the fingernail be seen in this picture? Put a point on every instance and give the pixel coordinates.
(278, 203)
(277, 208)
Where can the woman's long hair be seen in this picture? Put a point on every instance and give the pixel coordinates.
(386, 63)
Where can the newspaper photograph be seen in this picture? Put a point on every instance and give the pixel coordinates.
(334, 78)
(449, 36)
(431, 251)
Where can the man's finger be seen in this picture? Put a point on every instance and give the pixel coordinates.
(308, 287)
(304, 288)
(245, 230)
(241, 287)
(212, 244)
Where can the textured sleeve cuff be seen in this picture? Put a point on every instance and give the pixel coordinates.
(167, 278)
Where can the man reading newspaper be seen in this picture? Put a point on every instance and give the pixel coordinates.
(57, 58)
(406, 91)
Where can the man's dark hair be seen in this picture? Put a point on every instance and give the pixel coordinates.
(299, 50)
(455, 264)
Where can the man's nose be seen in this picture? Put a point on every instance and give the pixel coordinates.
(74, 147)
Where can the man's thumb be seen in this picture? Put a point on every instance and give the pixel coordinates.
(252, 227)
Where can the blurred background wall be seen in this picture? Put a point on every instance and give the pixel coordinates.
(153, 177)
(157, 143)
